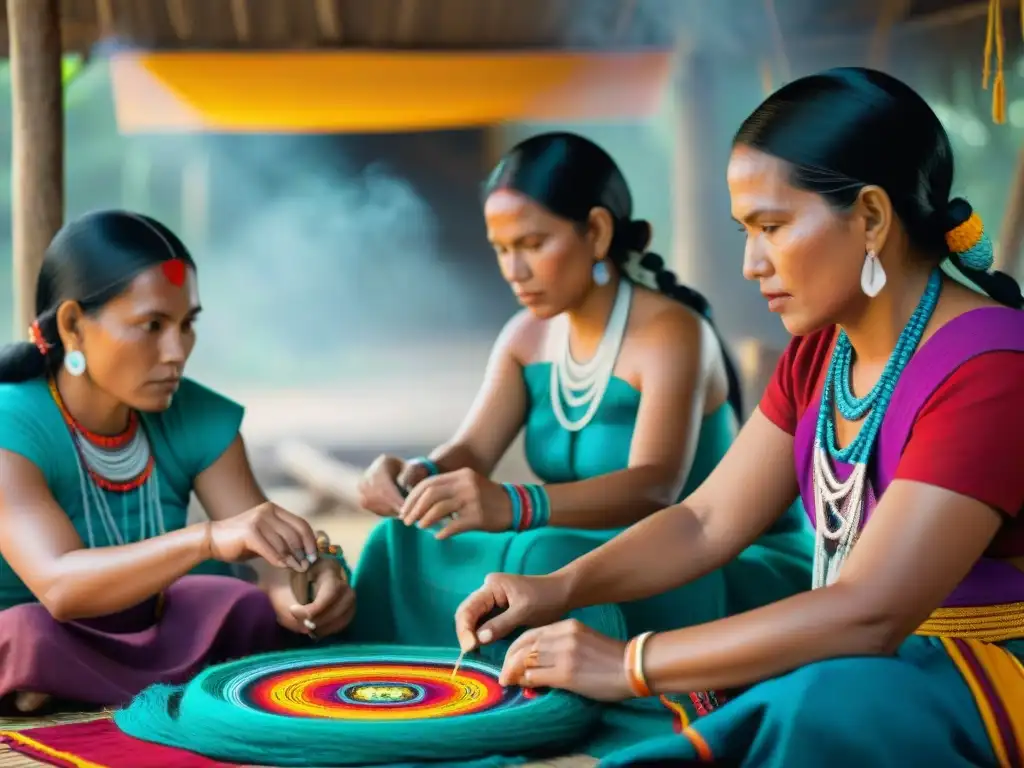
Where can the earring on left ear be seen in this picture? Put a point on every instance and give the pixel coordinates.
(872, 275)
(601, 273)
(74, 362)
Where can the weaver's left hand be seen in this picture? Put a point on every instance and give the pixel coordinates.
(333, 606)
(464, 500)
(571, 656)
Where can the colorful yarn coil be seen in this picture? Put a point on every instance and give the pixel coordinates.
(355, 705)
(531, 507)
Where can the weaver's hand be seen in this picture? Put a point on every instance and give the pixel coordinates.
(463, 500)
(571, 656)
(413, 473)
(519, 601)
(379, 491)
(282, 539)
(282, 598)
(334, 601)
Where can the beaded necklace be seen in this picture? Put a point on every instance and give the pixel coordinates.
(839, 505)
(581, 384)
(118, 464)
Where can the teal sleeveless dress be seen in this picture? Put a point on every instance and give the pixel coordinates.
(410, 584)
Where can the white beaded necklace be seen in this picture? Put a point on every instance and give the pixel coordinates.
(835, 500)
(584, 384)
(118, 465)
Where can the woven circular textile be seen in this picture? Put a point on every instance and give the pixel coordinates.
(355, 705)
(364, 689)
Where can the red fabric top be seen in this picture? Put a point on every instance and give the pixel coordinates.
(968, 437)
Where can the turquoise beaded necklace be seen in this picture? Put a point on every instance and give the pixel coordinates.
(837, 394)
(839, 505)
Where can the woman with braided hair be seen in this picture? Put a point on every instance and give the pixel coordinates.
(896, 413)
(627, 396)
(104, 589)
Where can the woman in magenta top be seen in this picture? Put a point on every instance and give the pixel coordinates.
(896, 414)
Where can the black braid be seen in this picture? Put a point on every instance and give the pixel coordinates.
(997, 285)
(669, 285)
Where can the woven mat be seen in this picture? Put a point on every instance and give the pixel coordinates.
(11, 759)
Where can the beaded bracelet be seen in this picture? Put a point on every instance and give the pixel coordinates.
(531, 507)
(634, 663)
(706, 701)
(326, 549)
(427, 464)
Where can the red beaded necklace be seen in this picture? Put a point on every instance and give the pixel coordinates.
(105, 442)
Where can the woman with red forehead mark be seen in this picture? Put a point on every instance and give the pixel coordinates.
(102, 444)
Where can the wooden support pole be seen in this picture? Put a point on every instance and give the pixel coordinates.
(37, 133)
(689, 115)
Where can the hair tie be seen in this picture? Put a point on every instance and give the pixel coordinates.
(967, 239)
(638, 273)
(35, 335)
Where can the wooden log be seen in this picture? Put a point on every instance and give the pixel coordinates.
(37, 137)
(321, 474)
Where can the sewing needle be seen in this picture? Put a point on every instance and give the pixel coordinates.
(458, 663)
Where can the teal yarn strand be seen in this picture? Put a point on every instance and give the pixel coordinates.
(223, 714)
(427, 464)
(837, 393)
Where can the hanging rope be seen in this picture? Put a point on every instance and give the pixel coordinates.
(994, 39)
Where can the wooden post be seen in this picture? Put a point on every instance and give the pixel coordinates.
(689, 121)
(37, 130)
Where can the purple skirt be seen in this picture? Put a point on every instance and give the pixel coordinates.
(104, 662)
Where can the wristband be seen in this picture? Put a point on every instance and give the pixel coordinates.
(427, 464)
(634, 663)
(326, 549)
(531, 507)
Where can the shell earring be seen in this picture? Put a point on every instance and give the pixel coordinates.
(872, 275)
(74, 363)
(601, 273)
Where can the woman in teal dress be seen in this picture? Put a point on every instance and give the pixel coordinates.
(627, 397)
(896, 412)
(102, 444)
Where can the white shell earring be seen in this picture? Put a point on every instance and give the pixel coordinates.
(601, 273)
(872, 275)
(74, 363)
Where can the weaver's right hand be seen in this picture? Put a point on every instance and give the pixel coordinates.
(511, 602)
(281, 538)
(381, 487)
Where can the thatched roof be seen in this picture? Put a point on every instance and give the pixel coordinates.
(468, 24)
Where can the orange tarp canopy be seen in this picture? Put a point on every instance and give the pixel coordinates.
(343, 91)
